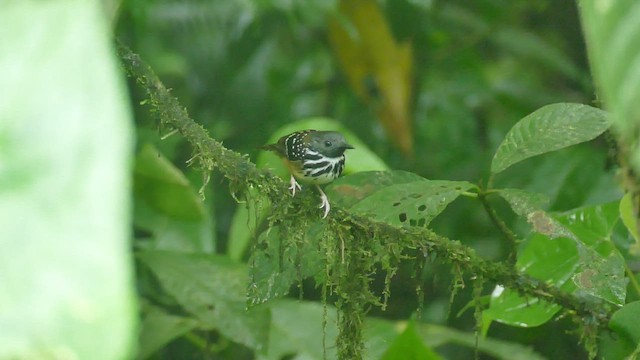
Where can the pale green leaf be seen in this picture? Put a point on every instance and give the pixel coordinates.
(612, 31)
(65, 156)
(631, 222)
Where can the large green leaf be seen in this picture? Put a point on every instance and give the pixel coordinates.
(167, 206)
(278, 264)
(65, 156)
(297, 329)
(601, 264)
(551, 260)
(350, 189)
(164, 187)
(625, 324)
(415, 203)
(589, 263)
(213, 289)
(613, 40)
(547, 129)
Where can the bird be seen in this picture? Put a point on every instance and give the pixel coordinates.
(312, 157)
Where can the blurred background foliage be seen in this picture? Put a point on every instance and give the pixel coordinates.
(243, 69)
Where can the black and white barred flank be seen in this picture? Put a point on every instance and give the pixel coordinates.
(320, 169)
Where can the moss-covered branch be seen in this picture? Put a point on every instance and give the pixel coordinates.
(349, 228)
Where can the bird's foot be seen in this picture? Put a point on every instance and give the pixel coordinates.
(325, 202)
(294, 186)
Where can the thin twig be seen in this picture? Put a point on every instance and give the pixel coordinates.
(512, 239)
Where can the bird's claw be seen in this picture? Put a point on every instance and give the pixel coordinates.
(294, 186)
(325, 203)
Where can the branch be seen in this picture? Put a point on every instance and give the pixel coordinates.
(240, 171)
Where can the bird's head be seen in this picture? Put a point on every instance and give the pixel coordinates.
(328, 143)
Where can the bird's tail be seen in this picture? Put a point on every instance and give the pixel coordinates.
(273, 147)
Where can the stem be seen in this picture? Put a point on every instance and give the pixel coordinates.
(512, 240)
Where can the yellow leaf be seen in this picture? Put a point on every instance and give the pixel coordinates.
(379, 70)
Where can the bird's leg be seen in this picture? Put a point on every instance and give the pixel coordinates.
(294, 185)
(325, 202)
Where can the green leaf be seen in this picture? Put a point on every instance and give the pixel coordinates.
(65, 155)
(529, 206)
(348, 190)
(551, 260)
(613, 42)
(379, 333)
(159, 328)
(276, 266)
(602, 266)
(631, 222)
(415, 203)
(409, 346)
(213, 289)
(590, 260)
(168, 207)
(164, 187)
(547, 129)
(167, 233)
(625, 322)
(297, 329)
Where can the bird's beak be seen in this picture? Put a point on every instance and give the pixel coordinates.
(347, 146)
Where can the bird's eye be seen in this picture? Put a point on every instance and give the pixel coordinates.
(327, 143)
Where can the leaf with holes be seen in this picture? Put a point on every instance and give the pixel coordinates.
(414, 204)
(547, 129)
(348, 190)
